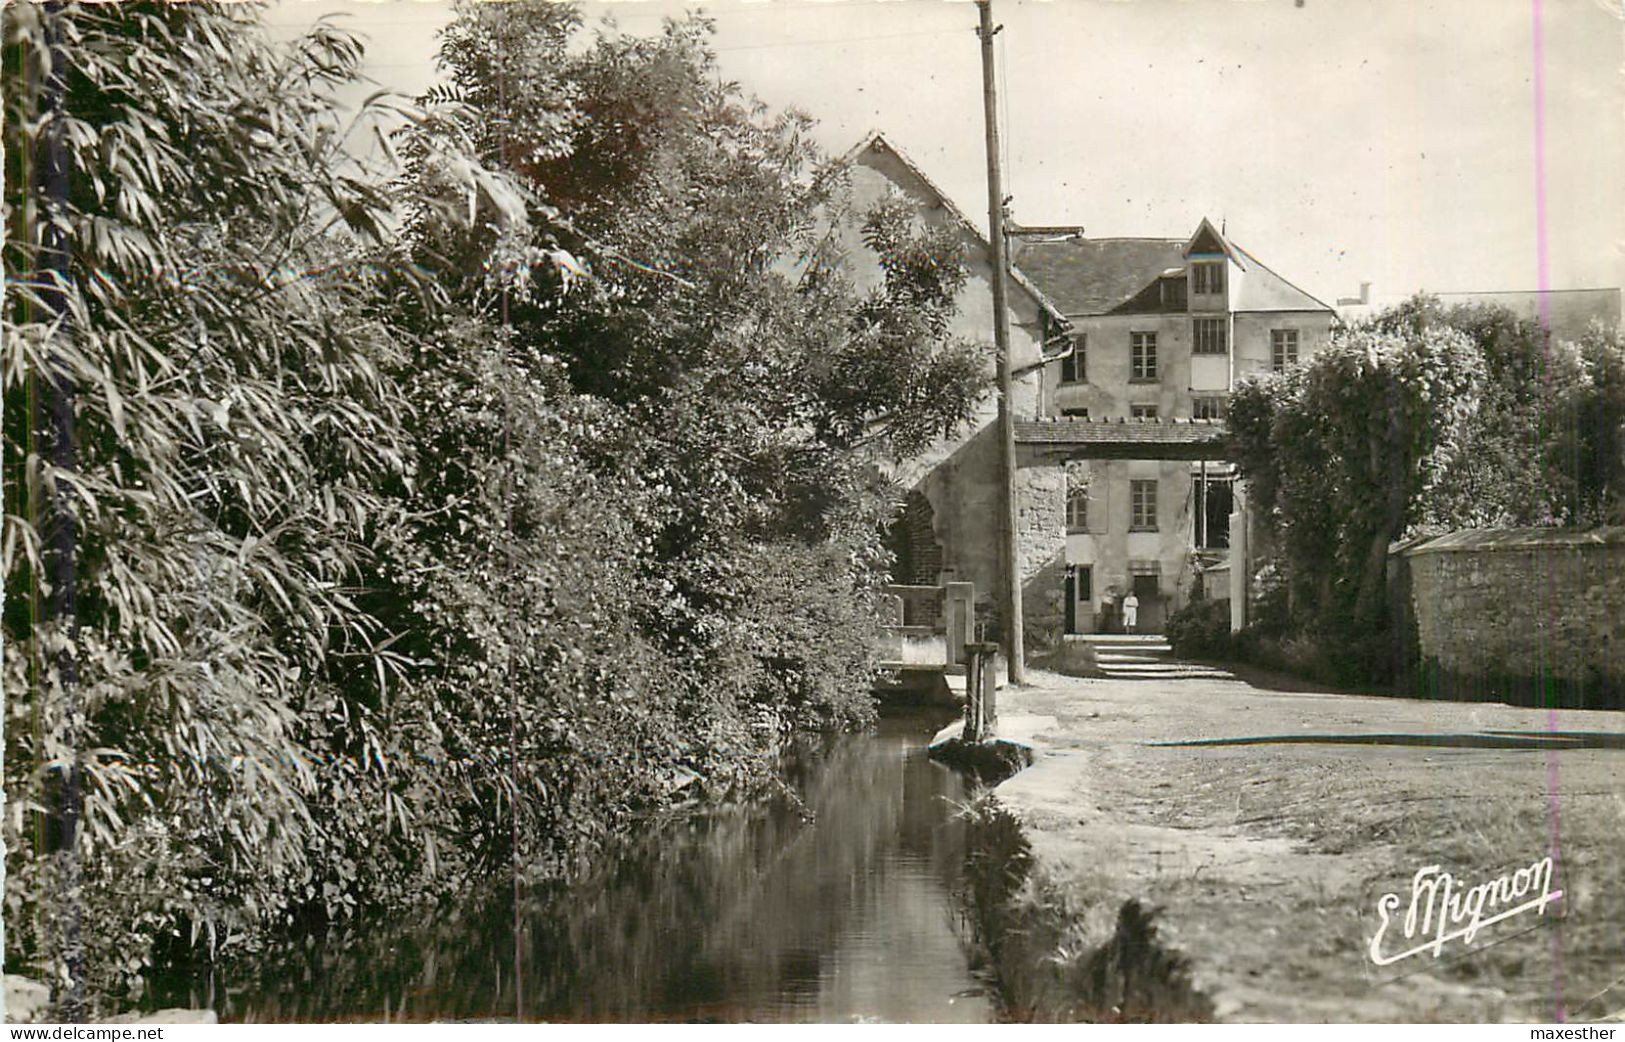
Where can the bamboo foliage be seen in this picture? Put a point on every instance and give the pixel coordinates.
(230, 424)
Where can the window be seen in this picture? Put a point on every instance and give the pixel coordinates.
(1083, 580)
(1207, 336)
(1142, 356)
(1207, 407)
(1076, 413)
(1074, 368)
(1143, 412)
(1142, 506)
(1207, 277)
(1283, 348)
(1077, 507)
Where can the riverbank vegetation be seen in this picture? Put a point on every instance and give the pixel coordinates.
(1063, 951)
(1422, 420)
(400, 496)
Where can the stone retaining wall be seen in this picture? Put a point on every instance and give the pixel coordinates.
(1522, 607)
(1041, 534)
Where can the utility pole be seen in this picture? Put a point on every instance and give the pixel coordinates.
(1009, 550)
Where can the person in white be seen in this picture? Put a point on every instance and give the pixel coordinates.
(1131, 612)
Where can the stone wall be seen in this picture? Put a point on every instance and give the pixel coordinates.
(1041, 534)
(1521, 609)
(964, 493)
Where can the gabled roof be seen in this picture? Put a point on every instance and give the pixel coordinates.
(877, 140)
(1119, 276)
(1208, 239)
(1566, 313)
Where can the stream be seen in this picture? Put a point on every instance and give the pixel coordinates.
(842, 910)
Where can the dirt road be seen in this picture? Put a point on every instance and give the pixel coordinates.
(1268, 844)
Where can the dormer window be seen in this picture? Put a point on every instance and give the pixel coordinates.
(1207, 277)
(1172, 284)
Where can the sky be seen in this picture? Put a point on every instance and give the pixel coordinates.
(1411, 143)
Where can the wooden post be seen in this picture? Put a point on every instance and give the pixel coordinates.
(1010, 552)
(960, 601)
(980, 687)
(973, 695)
(1201, 509)
(990, 696)
(1239, 552)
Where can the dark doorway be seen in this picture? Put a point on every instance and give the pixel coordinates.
(912, 539)
(1080, 598)
(1213, 512)
(1153, 609)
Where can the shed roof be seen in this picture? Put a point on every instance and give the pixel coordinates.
(1126, 438)
(1470, 539)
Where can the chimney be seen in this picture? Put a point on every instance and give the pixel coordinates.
(1363, 300)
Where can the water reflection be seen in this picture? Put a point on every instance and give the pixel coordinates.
(745, 913)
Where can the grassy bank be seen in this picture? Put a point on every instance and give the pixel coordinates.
(1059, 952)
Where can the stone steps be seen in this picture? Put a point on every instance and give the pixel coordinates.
(1144, 656)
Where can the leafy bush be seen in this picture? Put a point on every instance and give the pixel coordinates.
(1339, 453)
(1201, 629)
(1268, 608)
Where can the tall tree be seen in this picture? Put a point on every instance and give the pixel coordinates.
(752, 382)
(1341, 452)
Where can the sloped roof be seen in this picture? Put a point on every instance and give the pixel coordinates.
(1516, 539)
(1118, 276)
(875, 139)
(1568, 313)
(1094, 276)
(1264, 290)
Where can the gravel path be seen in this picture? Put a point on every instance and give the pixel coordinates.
(1268, 848)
